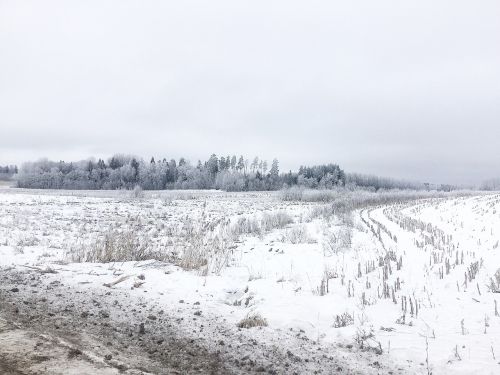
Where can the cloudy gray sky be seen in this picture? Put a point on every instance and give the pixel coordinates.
(407, 89)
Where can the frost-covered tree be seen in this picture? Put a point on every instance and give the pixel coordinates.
(241, 164)
(264, 167)
(222, 164)
(7, 172)
(213, 165)
(255, 164)
(227, 173)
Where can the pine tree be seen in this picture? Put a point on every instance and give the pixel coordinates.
(114, 163)
(213, 165)
(90, 166)
(135, 165)
(241, 164)
(274, 174)
(254, 164)
(275, 170)
(222, 164)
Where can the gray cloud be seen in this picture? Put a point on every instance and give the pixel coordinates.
(408, 89)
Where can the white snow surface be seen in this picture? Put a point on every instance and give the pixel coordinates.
(454, 331)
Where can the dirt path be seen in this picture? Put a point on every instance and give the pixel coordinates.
(44, 332)
(50, 328)
(6, 370)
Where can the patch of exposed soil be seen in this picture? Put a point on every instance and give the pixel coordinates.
(50, 328)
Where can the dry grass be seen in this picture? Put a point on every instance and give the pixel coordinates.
(209, 244)
(261, 224)
(494, 286)
(336, 240)
(252, 320)
(297, 235)
(113, 246)
(343, 320)
(137, 192)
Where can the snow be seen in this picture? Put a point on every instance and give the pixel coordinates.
(282, 281)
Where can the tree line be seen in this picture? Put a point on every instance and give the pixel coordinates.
(230, 173)
(7, 171)
(377, 183)
(492, 184)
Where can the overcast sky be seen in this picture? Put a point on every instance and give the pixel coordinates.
(407, 89)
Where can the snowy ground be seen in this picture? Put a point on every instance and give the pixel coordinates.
(383, 290)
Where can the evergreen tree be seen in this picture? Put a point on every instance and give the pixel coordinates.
(114, 163)
(241, 164)
(135, 166)
(213, 165)
(222, 164)
(254, 164)
(275, 170)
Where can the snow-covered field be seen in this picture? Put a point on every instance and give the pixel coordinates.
(404, 287)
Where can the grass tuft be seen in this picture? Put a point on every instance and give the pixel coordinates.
(251, 321)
